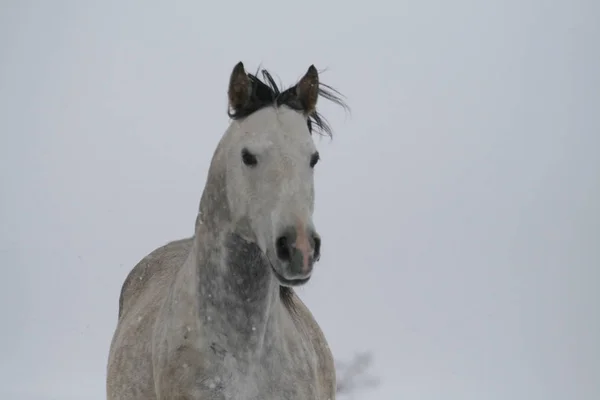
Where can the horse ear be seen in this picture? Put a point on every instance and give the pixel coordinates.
(307, 90)
(239, 87)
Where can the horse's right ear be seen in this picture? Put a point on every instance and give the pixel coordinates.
(239, 87)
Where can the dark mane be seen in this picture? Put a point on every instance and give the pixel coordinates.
(267, 93)
(287, 297)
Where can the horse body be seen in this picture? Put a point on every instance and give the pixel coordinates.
(214, 316)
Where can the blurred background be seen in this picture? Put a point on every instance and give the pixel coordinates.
(458, 202)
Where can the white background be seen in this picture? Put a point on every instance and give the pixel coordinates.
(459, 202)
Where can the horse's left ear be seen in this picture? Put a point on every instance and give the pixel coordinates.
(307, 90)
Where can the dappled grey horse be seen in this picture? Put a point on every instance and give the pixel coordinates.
(215, 316)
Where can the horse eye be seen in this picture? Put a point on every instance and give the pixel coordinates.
(248, 158)
(314, 159)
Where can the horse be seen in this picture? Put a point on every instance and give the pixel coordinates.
(215, 316)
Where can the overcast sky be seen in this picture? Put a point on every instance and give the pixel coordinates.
(459, 202)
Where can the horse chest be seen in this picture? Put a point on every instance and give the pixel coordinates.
(283, 371)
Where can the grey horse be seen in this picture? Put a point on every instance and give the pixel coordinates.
(215, 316)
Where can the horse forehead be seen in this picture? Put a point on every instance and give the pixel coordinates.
(281, 126)
(291, 120)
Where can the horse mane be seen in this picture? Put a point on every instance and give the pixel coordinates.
(268, 93)
(286, 294)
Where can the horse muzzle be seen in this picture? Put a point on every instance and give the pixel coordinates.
(297, 250)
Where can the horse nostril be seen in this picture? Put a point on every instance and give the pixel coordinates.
(317, 250)
(283, 248)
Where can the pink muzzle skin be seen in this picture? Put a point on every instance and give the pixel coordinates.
(302, 244)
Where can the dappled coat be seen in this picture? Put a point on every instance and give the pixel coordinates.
(215, 316)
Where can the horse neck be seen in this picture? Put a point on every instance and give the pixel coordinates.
(236, 293)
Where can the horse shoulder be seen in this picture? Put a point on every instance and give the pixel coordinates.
(326, 366)
(158, 262)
